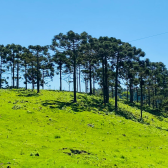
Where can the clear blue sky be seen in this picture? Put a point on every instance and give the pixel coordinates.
(35, 22)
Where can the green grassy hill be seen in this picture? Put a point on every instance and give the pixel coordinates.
(47, 130)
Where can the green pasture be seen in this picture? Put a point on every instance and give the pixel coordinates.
(48, 130)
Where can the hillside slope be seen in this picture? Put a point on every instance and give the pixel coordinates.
(47, 130)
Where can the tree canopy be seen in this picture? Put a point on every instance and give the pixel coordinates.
(115, 66)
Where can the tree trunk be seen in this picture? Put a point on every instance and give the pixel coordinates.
(11, 76)
(0, 72)
(153, 99)
(17, 74)
(85, 84)
(79, 80)
(149, 96)
(103, 81)
(25, 76)
(116, 83)
(32, 77)
(90, 77)
(43, 79)
(155, 96)
(74, 78)
(127, 93)
(137, 94)
(13, 61)
(38, 80)
(106, 81)
(93, 84)
(141, 97)
(131, 92)
(60, 77)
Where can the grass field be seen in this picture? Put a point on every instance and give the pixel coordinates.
(48, 130)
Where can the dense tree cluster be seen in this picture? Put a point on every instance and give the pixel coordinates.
(107, 61)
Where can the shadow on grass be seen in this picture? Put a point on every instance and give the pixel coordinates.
(162, 128)
(148, 109)
(27, 93)
(126, 115)
(88, 103)
(84, 103)
(60, 105)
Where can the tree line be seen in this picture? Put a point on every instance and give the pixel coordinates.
(109, 62)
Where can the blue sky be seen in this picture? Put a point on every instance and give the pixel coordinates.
(35, 22)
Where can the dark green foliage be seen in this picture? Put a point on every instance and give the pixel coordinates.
(39, 52)
(112, 64)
